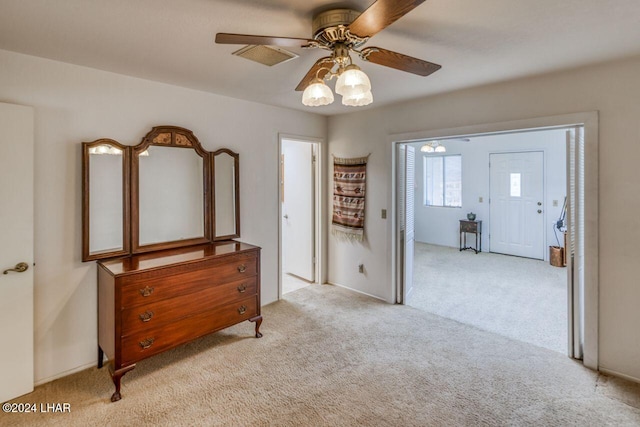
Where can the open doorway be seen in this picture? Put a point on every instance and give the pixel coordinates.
(299, 204)
(442, 248)
(512, 185)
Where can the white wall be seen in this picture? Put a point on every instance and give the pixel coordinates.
(75, 104)
(612, 89)
(440, 225)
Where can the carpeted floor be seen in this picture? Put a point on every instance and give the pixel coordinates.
(521, 298)
(331, 357)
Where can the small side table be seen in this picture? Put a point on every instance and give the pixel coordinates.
(474, 227)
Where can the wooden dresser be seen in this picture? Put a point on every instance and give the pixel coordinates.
(152, 302)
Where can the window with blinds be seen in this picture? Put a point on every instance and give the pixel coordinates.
(443, 181)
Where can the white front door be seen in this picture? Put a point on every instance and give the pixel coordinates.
(16, 246)
(516, 200)
(298, 200)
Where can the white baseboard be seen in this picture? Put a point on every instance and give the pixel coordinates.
(355, 290)
(619, 375)
(63, 374)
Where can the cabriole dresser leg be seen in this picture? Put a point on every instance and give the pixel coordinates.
(116, 376)
(258, 320)
(100, 357)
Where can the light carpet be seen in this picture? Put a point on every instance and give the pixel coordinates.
(332, 357)
(521, 298)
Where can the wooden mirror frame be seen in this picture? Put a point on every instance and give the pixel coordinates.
(165, 136)
(236, 166)
(87, 255)
(170, 136)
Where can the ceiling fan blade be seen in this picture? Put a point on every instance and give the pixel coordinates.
(227, 38)
(326, 62)
(380, 15)
(396, 60)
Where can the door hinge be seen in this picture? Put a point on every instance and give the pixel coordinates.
(314, 158)
(314, 260)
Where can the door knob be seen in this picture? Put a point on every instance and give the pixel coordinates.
(286, 216)
(19, 268)
(539, 203)
(539, 210)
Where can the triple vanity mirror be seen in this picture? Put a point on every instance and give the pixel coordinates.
(166, 192)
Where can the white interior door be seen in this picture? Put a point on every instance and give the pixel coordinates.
(409, 221)
(16, 246)
(576, 232)
(516, 204)
(401, 158)
(405, 232)
(298, 219)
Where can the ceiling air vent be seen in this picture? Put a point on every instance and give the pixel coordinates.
(267, 55)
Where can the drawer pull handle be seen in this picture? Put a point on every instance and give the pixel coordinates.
(242, 288)
(242, 309)
(146, 316)
(146, 291)
(147, 343)
(242, 268)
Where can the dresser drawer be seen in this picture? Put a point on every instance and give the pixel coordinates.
(147, 316)
(469, 226)
(152, 287)
(146, 343)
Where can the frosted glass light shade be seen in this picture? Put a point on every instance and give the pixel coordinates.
(353, 80)
(427, 148)
(317, 94)
(441, 149)
(357, 99)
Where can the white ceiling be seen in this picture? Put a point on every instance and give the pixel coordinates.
(476, 41)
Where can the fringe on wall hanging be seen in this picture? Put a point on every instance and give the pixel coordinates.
(349, 179)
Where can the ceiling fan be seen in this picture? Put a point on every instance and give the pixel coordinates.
(342, 32)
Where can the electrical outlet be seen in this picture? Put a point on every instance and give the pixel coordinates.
(360, 268)
(480, 199)
(383, 214)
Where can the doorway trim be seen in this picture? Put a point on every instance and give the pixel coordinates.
(318, 206)
(589, 121)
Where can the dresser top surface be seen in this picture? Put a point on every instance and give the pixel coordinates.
(165, 258)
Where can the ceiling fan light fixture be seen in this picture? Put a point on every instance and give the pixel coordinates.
(317, 94)
(440, 149)
(357, 99)
(343, 32)
(353, 79)
(427, 148)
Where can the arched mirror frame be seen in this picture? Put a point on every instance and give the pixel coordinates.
(87, 255)
(236, 183)
(170, 136)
